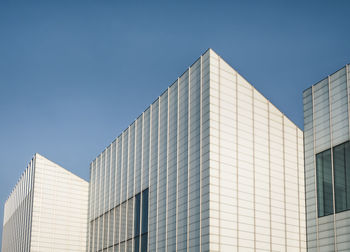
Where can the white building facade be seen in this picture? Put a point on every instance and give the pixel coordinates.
(327, 162)
(46, 211)
(210, 165)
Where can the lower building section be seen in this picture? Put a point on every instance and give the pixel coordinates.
(123, 227)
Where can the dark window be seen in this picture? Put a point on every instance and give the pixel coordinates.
(137, 215)
(144, 226)
(129, 215)
(324, 183)
(341, 166)
(144, 243)
(136, 244)
(341, 161)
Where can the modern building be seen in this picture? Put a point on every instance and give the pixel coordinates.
(210, 165)
(327, 162)
(46, 211)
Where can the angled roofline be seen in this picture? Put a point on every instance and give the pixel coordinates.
(38, 154)
(148, 107)
(258, 91)
(326, 77)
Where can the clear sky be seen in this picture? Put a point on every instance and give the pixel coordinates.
(74, 74)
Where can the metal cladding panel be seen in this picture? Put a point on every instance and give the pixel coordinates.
(18, 213)
(60, 207)
(164, 152)
(326, 124)
(47, 210)
(222, 166)
(256, 169)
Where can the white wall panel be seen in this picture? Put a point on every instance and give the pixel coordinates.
(215, 157)
(47, 210)
(326, 124)
(257, 169)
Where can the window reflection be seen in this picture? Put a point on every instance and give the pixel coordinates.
(341, 157)
(144, 227)
(128, 225)
(144, 243)
(137, 215)
(136, 244)
(341, 166)
(324, 183)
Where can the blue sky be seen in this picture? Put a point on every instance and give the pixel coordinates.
(74, 74)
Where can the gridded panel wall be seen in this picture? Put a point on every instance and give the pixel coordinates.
(166, 150)
(18, 214)
(60, 208)
(47, 210)
(256, 169)
(223, 166)
(326, 124)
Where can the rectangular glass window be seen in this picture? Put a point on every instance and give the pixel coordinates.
(144, 226)
(137, 215)
(144, 243)
(341, 161)
(324, 183)
(341, 166)
(124, 220)
(137, 244)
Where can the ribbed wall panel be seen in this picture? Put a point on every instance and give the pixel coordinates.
(60, 208)
(326, 124)
(224, 169)
(18, 213)
(47, 210)
(256, 169)
(161, 151)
